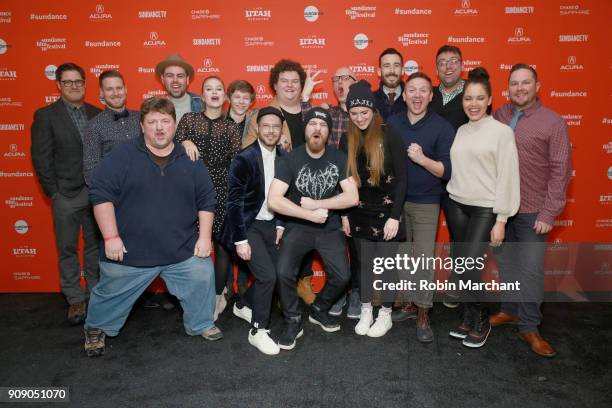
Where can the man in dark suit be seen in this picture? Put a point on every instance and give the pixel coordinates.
(57, 153)
(252, 228)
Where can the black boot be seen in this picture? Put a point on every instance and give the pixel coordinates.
(480, 328)
(461, 331)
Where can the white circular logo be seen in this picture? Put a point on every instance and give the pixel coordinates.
(610, 172)
(3, 46)
(21, 227)
(361, 41)
(411, 66)
(50, 72)
(311, 14)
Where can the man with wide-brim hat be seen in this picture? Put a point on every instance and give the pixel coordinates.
(175, 74)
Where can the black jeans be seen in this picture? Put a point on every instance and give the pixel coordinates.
(470, 226)
(296, 243)
(262, 237)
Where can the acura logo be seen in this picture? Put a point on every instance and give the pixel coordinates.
(465, 4)
(208, 63)
(153, 36)
(519, 32)
(571, 60)
(99, 9)
(261, 89)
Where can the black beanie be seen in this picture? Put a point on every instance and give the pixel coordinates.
(360, 94)
(318, 113)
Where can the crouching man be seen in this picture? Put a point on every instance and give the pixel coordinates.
(148, 198)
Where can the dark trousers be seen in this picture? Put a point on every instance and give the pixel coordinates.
(521, 258)
(69, 215)
(471, 227)
(262, 237)
(297, 242)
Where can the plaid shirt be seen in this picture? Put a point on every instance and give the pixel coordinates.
(447, 97)
(340, 123)
(78, 116)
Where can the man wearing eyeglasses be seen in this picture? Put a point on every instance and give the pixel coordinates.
(175, 74)
(341, 81)
(448, 96)
(57, 155)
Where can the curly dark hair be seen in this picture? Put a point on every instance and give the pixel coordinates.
(285, 65)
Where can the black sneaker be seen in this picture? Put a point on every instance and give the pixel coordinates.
(327, 323)
(292, 331)
(461, 331)
(480, 329)
(94, 342)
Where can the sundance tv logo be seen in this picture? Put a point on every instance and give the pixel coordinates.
(259, 68)
(206, 42)
(519, 37)
(466, 9)
(5, 17)
(361, 41)
(14, 152)
(208, 67)
(519, 10)
(572, 65)
(46, 44)
(100, 14)
(154, 41)
(573, 37)
(312, 42)
(258, 14)
(312, 14)
(152, 14)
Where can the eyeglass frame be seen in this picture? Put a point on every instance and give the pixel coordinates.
(343, 78)
(68, 83)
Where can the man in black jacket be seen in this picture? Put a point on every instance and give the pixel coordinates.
(251, 227)
(57, 153)
(448, 96)
(389, 96)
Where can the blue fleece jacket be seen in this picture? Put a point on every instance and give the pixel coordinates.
(435, 135)
(156, 211)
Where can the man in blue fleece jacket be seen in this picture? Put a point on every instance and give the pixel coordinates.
(148, 198)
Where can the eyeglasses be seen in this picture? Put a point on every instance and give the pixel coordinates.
(453, 62)
(274, 128)
(343, 78)
(68, 83)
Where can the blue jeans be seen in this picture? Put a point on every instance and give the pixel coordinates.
(191, 281)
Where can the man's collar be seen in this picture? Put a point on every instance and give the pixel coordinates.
(530, 110)
(72, 105)
(457, 89)
(264, 150)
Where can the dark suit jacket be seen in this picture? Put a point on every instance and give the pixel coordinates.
(246, 192)
(57, 149)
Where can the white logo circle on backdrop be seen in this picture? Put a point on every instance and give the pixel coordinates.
(361, 41)
(21, 227)
(3, 46)
(311, 14)
(610, 172)
(50, 72)
(411, 66)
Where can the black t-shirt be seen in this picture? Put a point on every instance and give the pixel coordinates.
(296, 127)
(318, 179)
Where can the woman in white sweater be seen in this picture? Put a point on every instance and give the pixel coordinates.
(484, 191)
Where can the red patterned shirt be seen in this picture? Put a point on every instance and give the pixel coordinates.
(544, 152)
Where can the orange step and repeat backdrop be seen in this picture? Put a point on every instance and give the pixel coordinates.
(566, 40)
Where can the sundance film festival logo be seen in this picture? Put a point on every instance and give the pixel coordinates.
(257, 42)
(208, 67)
(573, 10)
(258, 14)
(5, 17)
(466, 9)
(262, 94)
(206, 42)
(259, 68)
(154, 92)
(98, 69)
(24, 252)
(607, 147)
(312, 14)
(14, 152)
(363, 69)
(100, 14)
(572, 119)
(407, 39)
(154, 41)
(356, 12)
(146, 14)
(519, 10)
(573, 37)
(361, 41)
(519, 37)
(410, 67)
(46, 44)
(204, 14)
(7, 75)
(468, 65)
(18, 202)
(412, 12)
(21, 227)
(8, 101)
(312, 42)
(572, 65)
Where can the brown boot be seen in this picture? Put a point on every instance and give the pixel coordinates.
(537, 343)
(424, 333)
(304, 290)
(76, 313)
(500, 318)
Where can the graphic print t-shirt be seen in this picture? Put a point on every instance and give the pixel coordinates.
(314, 178)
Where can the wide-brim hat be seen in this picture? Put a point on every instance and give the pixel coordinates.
(174, 59)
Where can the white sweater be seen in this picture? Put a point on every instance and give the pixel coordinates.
(485, 167)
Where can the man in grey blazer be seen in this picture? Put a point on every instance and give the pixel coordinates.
(57, 154)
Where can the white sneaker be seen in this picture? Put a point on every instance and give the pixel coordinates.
(220, 304)
(365, 321)
(382, 324)
(245, 313)
(262, 340)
